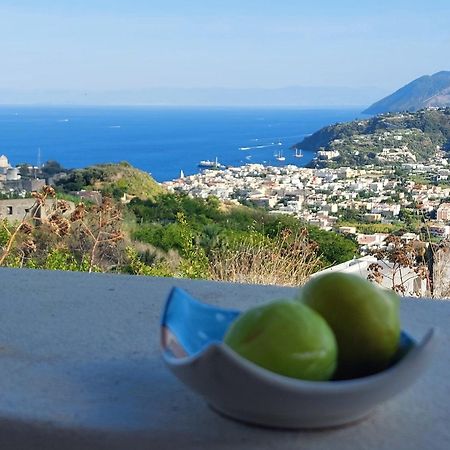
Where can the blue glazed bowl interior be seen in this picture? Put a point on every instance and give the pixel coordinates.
(189, 326)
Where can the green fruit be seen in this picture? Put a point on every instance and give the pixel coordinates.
(285, 337)
(363, 317)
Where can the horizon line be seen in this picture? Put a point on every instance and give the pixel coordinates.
(169, 105)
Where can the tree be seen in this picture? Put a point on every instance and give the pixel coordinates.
(51, 168)
(334, 248)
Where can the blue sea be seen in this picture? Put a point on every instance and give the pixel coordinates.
(159, 140)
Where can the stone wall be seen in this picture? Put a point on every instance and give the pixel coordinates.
(15, 209)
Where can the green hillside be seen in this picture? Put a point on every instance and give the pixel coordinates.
(410, 137)
(112, 179)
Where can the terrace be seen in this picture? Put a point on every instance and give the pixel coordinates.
(80, 368)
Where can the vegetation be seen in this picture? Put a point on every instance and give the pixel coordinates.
(113, 180)
(361, 142)
(179, 236)
(59, 235)
(212, 225)
(169, 235)
(399, 255)
(51, 168)
(287, 259)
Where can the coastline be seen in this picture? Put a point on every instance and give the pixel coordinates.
(159, 140)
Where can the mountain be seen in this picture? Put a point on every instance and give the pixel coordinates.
(386, 139)
(425, 92)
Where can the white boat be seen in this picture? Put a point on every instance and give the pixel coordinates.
(298, 153)
(207, 164)
(280, 156)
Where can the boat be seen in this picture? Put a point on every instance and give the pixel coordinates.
(298, 153)
(280, 156)
(207, 164)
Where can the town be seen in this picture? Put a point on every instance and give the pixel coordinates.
(343, 199)
(368, 202)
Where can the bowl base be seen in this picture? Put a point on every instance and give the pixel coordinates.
(281, 424)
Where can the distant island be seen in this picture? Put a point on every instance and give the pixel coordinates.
(427, 91)
(386, 139)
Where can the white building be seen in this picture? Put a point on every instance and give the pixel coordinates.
(4, 165)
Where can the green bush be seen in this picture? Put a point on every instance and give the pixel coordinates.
(159, 226)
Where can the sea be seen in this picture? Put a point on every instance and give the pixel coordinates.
(160, 140)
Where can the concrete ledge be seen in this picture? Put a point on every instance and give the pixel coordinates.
(80, 368)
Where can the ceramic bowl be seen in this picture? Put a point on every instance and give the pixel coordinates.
(191, 339)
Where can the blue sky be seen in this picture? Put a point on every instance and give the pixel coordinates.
(137, 44)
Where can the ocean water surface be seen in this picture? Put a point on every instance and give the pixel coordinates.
(162, 141)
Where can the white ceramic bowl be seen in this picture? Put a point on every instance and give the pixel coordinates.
(191, 339)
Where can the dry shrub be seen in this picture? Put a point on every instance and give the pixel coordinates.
(97, 232)
(92, 236)
(404, 261)
(289, 259)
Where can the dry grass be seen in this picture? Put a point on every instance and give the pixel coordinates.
(150, 255)
(289, 260)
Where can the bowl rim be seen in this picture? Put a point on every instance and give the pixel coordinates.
(265, 375)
